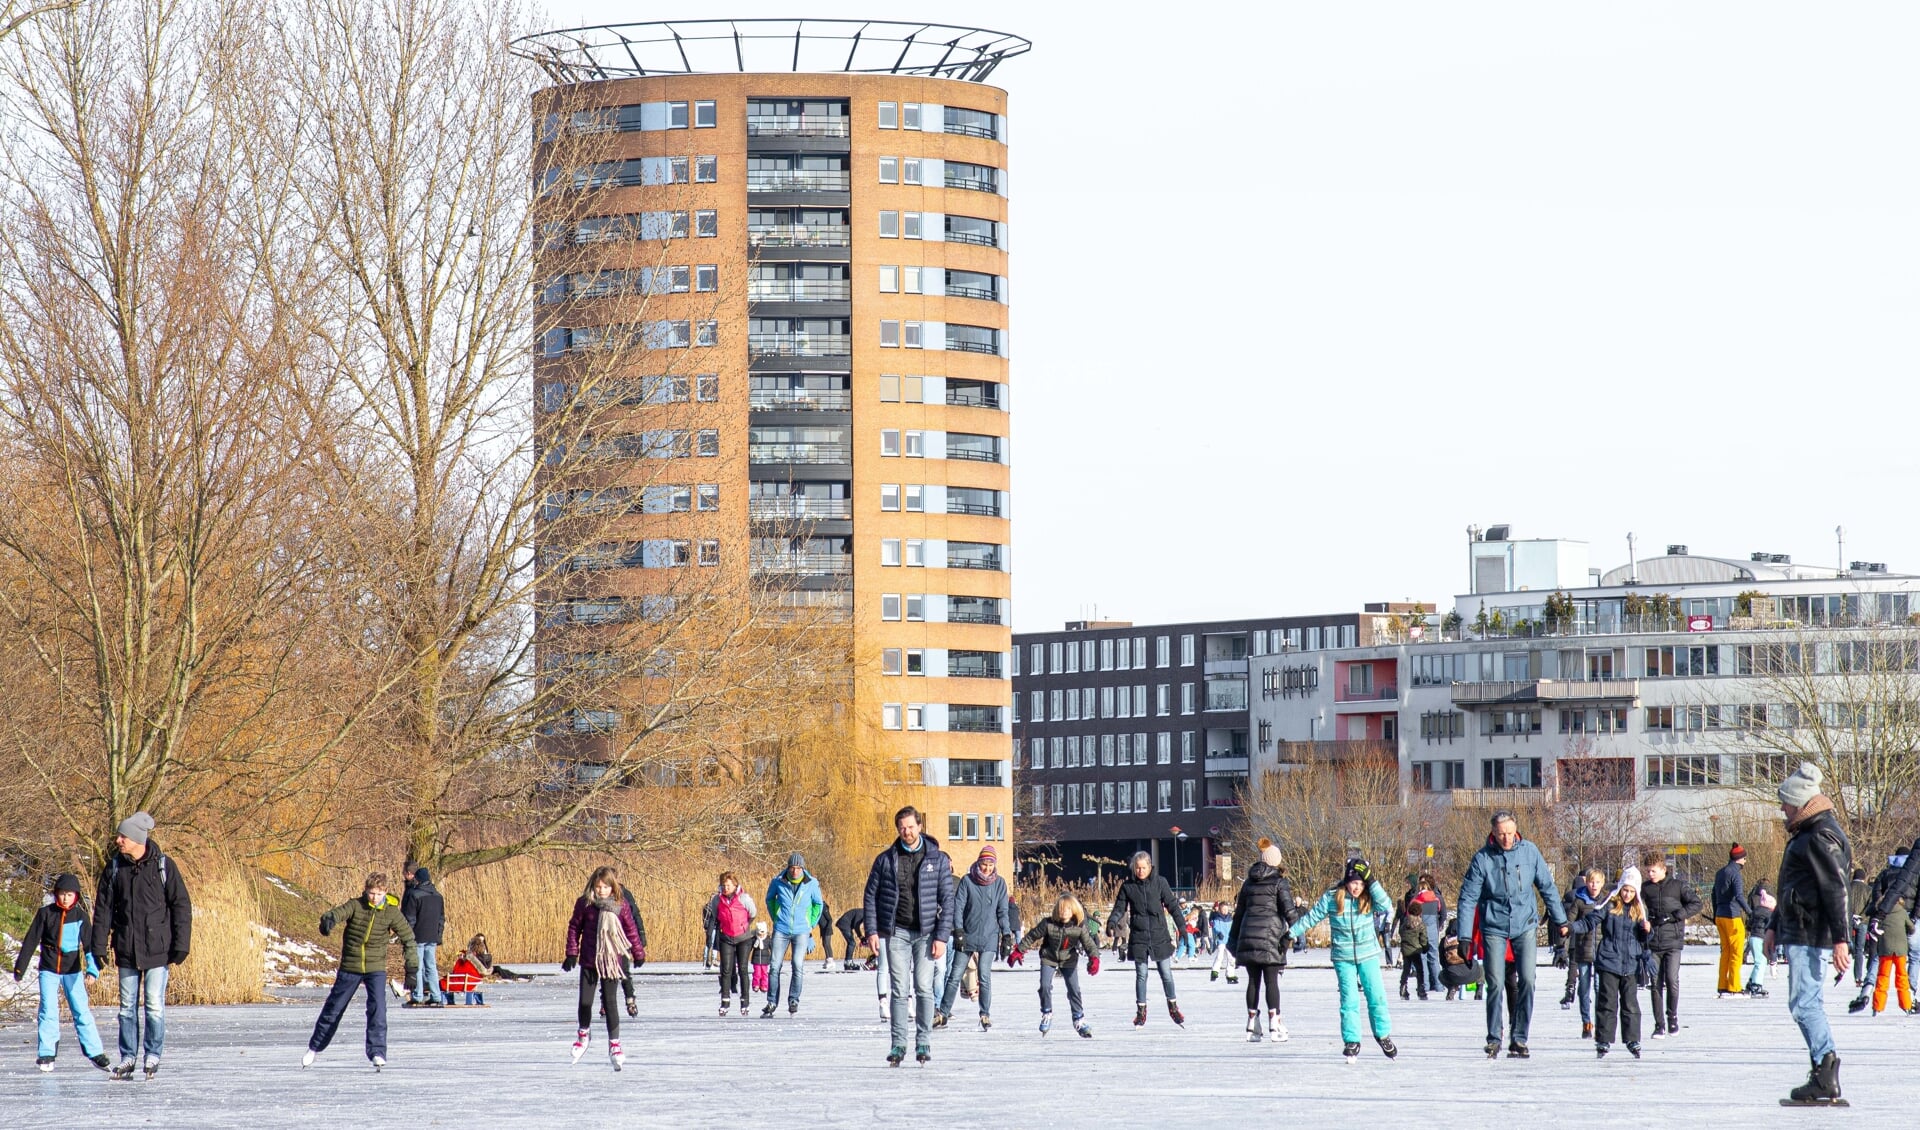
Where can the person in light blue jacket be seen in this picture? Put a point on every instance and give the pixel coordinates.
(794, 903)
(1348, 910)
(1497, 902)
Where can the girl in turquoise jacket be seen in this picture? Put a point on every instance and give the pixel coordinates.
(1348, 911)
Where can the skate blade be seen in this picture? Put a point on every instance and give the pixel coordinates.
(1814, 1102)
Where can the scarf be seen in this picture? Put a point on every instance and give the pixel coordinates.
(1811, 809)
(610, 940)
(980, 877)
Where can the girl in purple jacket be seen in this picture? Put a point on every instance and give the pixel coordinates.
(601, 936)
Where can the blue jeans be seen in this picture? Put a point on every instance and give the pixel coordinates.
(143, 993)
(1140, 981)
(1525, 951)
(427, 981)
(957, 972)
(1755, 973)
(910, 968)
(1584, 979)
(1806, 972)
(341, 995)
(1913, 962)
(781, 944)
(1431, 959)
(53, 986)
(1069, 973)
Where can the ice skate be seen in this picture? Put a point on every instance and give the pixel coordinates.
(1351, 1052)
(1253, 1027)
(125, 1069)
(1517, 1050)
(1599, 1051)
(1276, 1031)
(153, 1066)
(884, 1013)
(1493, 1047)
(307, 1059)
(580, 1043)
(939, 1020)
(615, 1055)
(1386, 1047)
(1634, 1049)
(745, 1008)
(895, 1056)
(45, 1062)
(726, 1006)
(1173, 1010)
(1139, 1016)
(922, 1054)
(986, 1022)
(1085, 1029)
(102, 1062)
(1822, 1087)
(379, 1063)
(1046, 1023)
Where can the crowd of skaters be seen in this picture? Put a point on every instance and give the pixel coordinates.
(934, 936)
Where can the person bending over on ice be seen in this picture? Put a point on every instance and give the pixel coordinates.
(601, 936)
(1623, 931)
(1063, 938)
(1348, 911)
(367, 923)
(58, 933)
(1144, 904)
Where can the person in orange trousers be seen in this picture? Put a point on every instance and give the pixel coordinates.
(1730, 910)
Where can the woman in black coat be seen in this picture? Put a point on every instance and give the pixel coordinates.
(1261, 914)
(1144, 901)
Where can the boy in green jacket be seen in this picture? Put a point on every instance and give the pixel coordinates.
(368, 922)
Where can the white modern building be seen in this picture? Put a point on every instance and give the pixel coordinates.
(1680, 682)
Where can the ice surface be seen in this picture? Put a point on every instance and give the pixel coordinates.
(507, 1065)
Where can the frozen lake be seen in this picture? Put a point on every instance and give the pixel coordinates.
(507, 1065)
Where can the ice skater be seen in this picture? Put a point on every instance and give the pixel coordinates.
(1348, 910)
(1811, 923)
(58, 934)
(601, 937)
(1063, 937)
(1621, 926)
(366, 925)
(1144, 906)
(1262, 911)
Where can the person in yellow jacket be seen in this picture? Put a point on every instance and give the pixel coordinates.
(368, 923)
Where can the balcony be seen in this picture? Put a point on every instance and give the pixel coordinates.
(973, 560)
(800, 453)
(972, 398)
(1223, 802)
(971, 184)
(1226, 766)
(799, 290)
(968, 614)
(783, 125)
(978, 509)
(799, 509)
(964, 668)
(1498, 798)
(1513, 692)
(985, 294)
(1386, 692)
(973, 455)
(968, 345)
(799, 235)
(971, 129)
(800, 345)
(1226, 694)
(799, 180)
(801, 564)
(976, 773)
(800, 400)
(978, 239)
(1226, 667)
(973, 719)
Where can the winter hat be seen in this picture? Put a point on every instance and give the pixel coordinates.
(137, 827)
(1356, 869)
(1269, 853)
(1737, 853)
(1803, 786)
(420, 876)
(797, 860)
(987, 853)
(67, 882)
(1631, 878)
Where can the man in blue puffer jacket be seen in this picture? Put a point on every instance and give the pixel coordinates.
(909, 909)
(795, 903)
(1498, 892)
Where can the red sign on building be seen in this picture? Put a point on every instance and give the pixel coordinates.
(1699, 623)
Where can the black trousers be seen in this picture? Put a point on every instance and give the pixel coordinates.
(608, 989)
(736, 967)
(826, 942)
(1619, 996)
(1269, 975)
(1666, 989)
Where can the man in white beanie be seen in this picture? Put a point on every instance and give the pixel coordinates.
(1811, 922)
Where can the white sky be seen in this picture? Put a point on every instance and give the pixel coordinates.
(1303, 289)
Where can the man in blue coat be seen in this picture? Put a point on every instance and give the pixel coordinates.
(909, 910)
(794, 903)
(1498, 896)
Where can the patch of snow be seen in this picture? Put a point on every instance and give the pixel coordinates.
(281, 885)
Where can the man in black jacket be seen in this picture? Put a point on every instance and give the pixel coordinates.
(143, 912)
(1811, 921)
(1670, 902)
(426, 912)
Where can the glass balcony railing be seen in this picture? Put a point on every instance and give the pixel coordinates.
(799, 509)
(800, 345)
(801, 453)
(800, 400)
(799, 180)
(785, 125)
(799, 235)
(973, 613)
(799, 290)
(973, 560)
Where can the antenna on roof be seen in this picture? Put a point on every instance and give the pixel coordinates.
(1840, 557)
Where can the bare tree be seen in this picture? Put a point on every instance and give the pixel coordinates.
(1597, 812)
(1327, 799)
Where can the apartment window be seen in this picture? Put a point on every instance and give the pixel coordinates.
(706, 278)
(890, 716)
(709, 442)
(1186, 796)
(706, 388)
(1139, 700)
(890, 606)
(889, 496)
(707, 498)
(1106, 796)
(1658, 719)
(910, 170)
(1139, 796)
(706, 170)
(1186, 651)
(676, 115)
(706, 115)
(1086, 653)
(709, 552)
(1106, 749)
(889, 334)
(1059, 804)
(889, 441)
(889, 661)
(889, 225)
(1164, 743)
(917, 554)
(1139, 749)
(953, 825)
(1124, 802)
(1166, 796)
(1186, 698)
(916, 493)
(1683, 771)
(1106, 655)
(1086, 702)
(910, 225)
(916, 661)
(1106, 702)
(889, 551)
(1073, 659)
(1037, 805)
(910, 115)
(916, 716)
(889, 280)
(1122, 702)
(1037, 710)
(1139, 653)
(910, 278)
(1439, 776)
(1162, 696)
(915, 446)
(913, 335)
(1186, 747)
(889, 170)
(1056, 711)
(889, 116)
(677, 170)
(1073, 752)
(916, 607)
(1162, 651)
(706, 223)
(1037, 659)
(973, 826)
(706, 333)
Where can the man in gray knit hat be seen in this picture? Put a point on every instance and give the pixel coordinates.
(142, 910)
(1810, 921)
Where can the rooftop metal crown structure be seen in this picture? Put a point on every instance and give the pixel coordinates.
(690, 47)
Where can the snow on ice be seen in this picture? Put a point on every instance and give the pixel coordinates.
(506, 1065)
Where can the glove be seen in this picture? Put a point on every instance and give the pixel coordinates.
(176, 957)
(1006, 945)
(1559, 958)
(1875, 928)
(570, 964)
(1016, 955)
(639, 957)
(1093, 966)
(413, 974)
(326, 923)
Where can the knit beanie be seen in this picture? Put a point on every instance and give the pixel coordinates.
(1631, 878)
(67, 882)
(987, 853)
(797, 860)
(1738, 853)
(1269, 852)
(1356, 869)
(1803, 786)
(137, 827)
